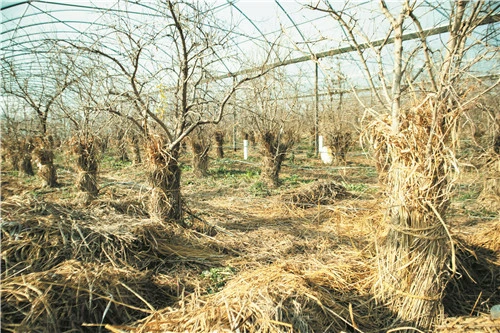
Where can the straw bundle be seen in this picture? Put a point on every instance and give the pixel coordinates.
(164, 177)
(490, 195)
(341, 142)
(135, 141)
(44, 156)
(87, 165)
(121, 144)
(25, 149)
(200, 146)
(10, 150)
(318, 193)
(417, 246)
(219, 140)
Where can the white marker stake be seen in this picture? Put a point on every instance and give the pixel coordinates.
(245, 149)
(320, 143)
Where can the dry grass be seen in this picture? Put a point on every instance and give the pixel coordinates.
(319, 193)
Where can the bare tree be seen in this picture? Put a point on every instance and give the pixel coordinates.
(417, 143)
(17, 143)
(82, 104)
(40, 91)
(273, 117)
(167, 91)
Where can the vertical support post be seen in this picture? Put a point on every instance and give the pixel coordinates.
(320, 143)
(316, 110)
(234, 128)
(234, 117)
(245, 149)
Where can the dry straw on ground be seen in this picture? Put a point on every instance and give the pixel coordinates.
(482, 324)
(108, 267)
(277, 298)
(60, 271)
(318, 193)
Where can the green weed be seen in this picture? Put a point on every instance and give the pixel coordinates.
(186, 167)
(259, 189)
(469, 195)
(355, 187)
(217, 277)
(295, 179)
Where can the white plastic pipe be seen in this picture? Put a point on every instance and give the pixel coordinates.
(320, 143)
(245, 149)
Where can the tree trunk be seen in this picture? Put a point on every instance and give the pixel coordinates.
(46, 167)
(134, 140)
(14, 160)
(341, 142)
(271, 167)
(165, 178)
(200, 157)
(122, 146)
(274, 154)
(103, 145)
(11, 150)
(26, 148)
(219, 139)
(86, 150)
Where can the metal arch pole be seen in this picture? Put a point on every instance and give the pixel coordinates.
(316, 110)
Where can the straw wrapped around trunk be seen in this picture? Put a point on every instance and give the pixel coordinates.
(219, 140)
(274, 149)
(417, 245)
(490, 195)
(165, 179)
(26, 148)
(46, 168)
(200, 148)
(87, 165)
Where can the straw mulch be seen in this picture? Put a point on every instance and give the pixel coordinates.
(318, 193)
(63, 267)
(282, 297)
(71, 293)
(292, 275)
(59, 233)
(476, 285)
(482, 324)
